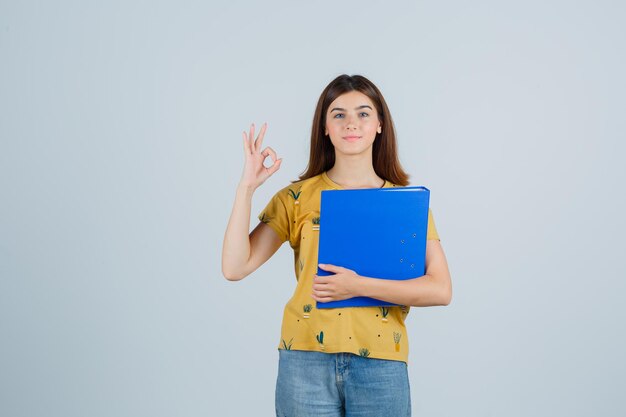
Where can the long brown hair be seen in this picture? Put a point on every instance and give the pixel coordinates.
(384, 153)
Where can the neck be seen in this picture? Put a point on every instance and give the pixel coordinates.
(354, 173)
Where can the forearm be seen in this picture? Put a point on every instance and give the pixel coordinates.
(419, 292)
(236, 247)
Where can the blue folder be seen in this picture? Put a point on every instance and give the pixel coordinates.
(377, 232)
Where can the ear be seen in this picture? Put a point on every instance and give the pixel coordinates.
(380, 129)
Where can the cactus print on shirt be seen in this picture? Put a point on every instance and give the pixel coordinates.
(375, 332)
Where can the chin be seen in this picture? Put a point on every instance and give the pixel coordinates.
(352, 150)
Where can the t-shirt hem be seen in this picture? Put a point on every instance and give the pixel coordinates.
(281, 234)
(392, 356)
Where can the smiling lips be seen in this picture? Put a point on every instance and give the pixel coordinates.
(352, 138)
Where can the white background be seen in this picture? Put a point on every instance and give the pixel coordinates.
(120, 151)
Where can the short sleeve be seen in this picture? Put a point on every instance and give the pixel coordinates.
(276, 216)
(432, 230)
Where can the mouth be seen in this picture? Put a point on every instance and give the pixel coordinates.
(352, 138)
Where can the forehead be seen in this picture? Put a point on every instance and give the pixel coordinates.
(350, 100)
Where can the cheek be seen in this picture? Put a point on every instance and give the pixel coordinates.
(334, 128)
(372, 124)
(369, 128)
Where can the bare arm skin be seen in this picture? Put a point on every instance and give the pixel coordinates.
(243, 253)
(432, 289)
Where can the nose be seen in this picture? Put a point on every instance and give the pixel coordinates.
(350, 123)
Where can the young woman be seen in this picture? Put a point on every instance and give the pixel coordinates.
(336, 361)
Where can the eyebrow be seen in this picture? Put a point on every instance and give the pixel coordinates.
(356, 108)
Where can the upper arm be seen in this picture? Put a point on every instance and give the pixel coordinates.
(264, 242)
(437, 265)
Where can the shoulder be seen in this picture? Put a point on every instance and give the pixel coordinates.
(294, 191)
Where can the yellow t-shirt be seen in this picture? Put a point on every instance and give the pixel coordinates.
(376, 332)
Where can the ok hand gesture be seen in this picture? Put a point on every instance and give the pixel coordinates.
(254, 172)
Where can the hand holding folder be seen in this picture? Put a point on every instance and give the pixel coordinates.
(378, 233)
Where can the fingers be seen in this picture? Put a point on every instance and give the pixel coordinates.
(269, 152)
(246, 144)
(259, 141)
(321, 294)
(247, 140)
(322, 279)
(274, 167)
(320, 282)
(322, 299)
(252, 145)
(332, 268)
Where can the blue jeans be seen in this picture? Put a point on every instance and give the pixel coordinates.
(322, 384)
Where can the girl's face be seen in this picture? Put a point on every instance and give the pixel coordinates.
(352, 123)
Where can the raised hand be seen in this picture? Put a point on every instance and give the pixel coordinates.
(254, 172)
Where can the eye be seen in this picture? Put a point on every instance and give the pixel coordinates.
(365, 113)
(338, 114)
